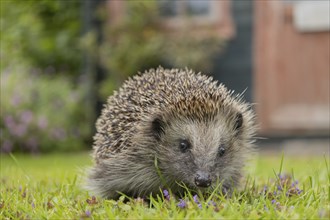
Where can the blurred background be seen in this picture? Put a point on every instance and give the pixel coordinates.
(61, 59)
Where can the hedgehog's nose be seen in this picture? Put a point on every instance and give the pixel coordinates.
(203, 179)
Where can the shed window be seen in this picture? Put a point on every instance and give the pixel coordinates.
(174, 8)
(198, 7)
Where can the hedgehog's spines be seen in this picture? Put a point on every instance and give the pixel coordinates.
(137, 116)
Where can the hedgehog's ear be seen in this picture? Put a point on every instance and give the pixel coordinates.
(157, 127)
(238, 121)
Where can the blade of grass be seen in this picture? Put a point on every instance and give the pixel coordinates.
(281, 165)
(327, 166)
(19, 166)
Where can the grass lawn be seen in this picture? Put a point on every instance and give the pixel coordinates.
(48, 186)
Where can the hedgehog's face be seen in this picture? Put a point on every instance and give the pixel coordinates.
(203, 153)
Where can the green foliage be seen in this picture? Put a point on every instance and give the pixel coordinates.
(41, 113)
(35, 187)
(139, 41)
(44, 33)
(42, 109)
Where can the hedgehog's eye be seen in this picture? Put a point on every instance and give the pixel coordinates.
(238, 121)
(184, 145)
(221, 150)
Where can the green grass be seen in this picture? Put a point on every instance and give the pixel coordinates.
(48, 186)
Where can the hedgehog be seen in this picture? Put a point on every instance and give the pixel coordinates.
(173, 129)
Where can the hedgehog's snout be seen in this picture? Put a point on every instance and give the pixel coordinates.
(203, 179)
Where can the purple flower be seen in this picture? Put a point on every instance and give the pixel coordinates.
(9, 121)
(166, 194)
(26, 117)
(20, 130)
(6, 146)
(88, 213)
(295, 183)
(212, 202)
(273, 201)
(15, 100)
(279, 187)
(14, 128)
(42, 122)
(264, 190)
(33, 205)
(195, 197)
(182, 204)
